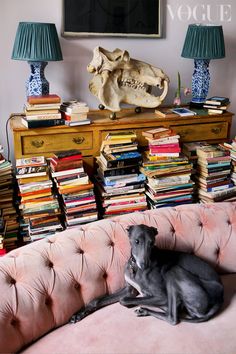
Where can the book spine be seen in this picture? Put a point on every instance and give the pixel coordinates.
(120, 171)
(67, 166)
(45, 123)
(53, 98)
(122, 163)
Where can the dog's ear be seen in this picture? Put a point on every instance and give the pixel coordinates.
(154, 230)
(129, 229)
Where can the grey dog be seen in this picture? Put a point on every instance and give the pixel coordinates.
(182, 286)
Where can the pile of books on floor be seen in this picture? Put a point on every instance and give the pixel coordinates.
(75, 113)
(74, 187)
(217, 105)
(42, 111)
(38, 205)
(119, 183)
(9, 225)
(168, 171)
(214, 174)
(231, 148)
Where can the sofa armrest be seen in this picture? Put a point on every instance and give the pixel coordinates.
(44, 283)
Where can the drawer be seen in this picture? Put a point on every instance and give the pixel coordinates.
(197, 132)
(49, 143)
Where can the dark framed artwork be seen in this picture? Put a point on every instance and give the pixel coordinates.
(131, 18)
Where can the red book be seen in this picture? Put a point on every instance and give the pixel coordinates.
(41, 191)
(40, 99)
(167, 150)
(3, 251)
(68, 165)
(67, 155)
(164, 146)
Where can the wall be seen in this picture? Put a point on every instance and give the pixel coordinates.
(69, 78)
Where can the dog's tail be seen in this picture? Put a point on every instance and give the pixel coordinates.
(213, 310)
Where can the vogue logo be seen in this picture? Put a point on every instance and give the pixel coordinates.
(201, 12)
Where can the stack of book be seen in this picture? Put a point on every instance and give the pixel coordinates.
(231, 148)
(74, 187)
(75, 113)
(168, 171)
(217, 105)
(120, 185)
(190, 150)
(38, 205)
(9, 225)
(42, 111)
(214, 174)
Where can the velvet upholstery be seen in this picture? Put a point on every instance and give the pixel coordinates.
(44, 283)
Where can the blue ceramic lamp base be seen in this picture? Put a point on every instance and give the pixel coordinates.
(37, 84)
(200, 81)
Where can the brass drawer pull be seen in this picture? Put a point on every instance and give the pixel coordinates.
(216, 130)
(37, 143)
(78, 140)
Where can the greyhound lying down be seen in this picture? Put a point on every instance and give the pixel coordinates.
(181, 285)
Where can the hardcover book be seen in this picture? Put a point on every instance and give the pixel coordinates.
(50, 98)
(67, 154)
(158, 133)
(42, 123)
(211, 151)
(108, 162)
(217, 100)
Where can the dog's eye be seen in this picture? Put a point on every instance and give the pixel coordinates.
(137, 242)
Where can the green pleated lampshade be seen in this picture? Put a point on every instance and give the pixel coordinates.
(36, 41)
(204, 42)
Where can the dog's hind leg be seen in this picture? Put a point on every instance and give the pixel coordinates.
(171, 313)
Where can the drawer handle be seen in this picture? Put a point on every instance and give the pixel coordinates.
(216, 130)
(37, 143)
(78, 140)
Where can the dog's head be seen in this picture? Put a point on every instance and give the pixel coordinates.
(142, 241)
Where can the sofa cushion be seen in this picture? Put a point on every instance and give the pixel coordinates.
(116, 329)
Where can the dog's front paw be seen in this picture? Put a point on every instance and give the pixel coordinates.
(141, 312)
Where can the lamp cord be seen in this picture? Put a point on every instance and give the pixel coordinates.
(7, 132)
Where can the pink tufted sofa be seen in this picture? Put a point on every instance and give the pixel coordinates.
(44, 283)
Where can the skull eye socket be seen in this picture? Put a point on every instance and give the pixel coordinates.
(137, 241)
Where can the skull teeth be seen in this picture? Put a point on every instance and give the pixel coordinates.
(134, 84)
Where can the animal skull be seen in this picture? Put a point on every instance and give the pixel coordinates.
(119, 78)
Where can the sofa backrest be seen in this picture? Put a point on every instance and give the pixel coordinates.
(44, 283)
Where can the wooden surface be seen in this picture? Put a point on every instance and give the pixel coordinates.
(88, 138)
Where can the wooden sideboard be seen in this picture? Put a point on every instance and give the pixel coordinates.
(88, 138)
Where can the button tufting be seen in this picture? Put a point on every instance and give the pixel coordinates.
(77, 286)
(111, 244)
(14, 322)
(229, 222)
(12, 281)
(200, 224)
(105, 275)
(48, 301)
(80, 251)
(50, 264)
